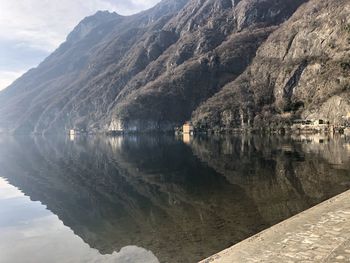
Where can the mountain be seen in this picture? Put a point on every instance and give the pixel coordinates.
(216, 61)
(301, 71)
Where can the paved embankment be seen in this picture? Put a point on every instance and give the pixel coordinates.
(320, 234)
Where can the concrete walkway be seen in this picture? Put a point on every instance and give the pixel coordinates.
(320, 234)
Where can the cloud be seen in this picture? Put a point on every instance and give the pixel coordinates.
(7, 77)
(15, 54)
(44, 24)
(127, 7)
(31, 29)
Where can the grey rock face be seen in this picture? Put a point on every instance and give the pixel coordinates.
(212, 51)
(148, 71)
(301, 71)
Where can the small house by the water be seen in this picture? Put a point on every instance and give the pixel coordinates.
(320, 122)
(188, 128)
(72, 134)
(311, 126)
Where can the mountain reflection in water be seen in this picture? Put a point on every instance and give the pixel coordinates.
(182, 201)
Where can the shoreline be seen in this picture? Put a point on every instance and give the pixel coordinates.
(319, 234)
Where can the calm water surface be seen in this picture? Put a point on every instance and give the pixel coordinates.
(156, 199)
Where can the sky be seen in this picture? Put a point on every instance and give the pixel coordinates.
(31, 29)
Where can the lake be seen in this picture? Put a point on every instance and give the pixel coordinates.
(156, 198)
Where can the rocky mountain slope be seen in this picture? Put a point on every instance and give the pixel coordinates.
(143, 72)
(301, 71)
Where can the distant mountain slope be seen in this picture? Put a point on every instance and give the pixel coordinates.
(66, 89)
(143, 72)
(301, 71)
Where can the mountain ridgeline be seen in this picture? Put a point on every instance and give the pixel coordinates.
(221, 63)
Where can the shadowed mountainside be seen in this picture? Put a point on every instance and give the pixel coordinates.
(143, 72)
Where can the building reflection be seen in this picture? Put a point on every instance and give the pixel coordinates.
(186, 138)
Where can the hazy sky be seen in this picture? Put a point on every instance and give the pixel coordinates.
(31, 29)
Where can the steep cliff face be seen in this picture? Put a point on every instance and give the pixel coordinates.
(75, 85)
(146, 71)
(302, 70)
(215, 47)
